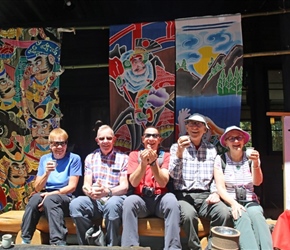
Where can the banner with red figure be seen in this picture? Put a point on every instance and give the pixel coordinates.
(142, 82)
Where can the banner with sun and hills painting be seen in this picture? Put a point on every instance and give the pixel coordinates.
(149, 87)
(209, 71)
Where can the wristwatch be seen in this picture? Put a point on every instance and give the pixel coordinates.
(110, 194)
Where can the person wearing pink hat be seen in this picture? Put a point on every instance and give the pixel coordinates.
(235, 181)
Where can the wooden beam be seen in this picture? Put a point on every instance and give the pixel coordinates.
(278, 113)
(269, 53)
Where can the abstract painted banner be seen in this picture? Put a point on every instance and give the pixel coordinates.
(142, 81)
(209, 71)
(29, 108)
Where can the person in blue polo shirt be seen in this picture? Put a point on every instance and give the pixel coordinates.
(57, 178)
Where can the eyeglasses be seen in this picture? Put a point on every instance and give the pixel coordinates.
(109, 138)
(153, 135)
(194, 123)
(58, 143)
(235, 138)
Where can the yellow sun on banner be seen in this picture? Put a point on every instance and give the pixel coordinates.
(207, 55)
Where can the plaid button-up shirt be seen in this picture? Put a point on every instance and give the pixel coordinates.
(107, 168)
(195, 169)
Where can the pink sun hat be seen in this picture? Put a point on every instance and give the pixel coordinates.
(223, 138)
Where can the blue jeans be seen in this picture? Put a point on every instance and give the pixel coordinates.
(83, 210)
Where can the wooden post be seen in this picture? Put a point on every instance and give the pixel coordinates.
(286, 154)
(285, 117)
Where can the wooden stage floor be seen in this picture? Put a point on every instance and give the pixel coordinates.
(72, 247)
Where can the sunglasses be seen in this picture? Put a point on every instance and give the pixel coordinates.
(194, 124)
(58, 143)
(153, 135)
(235, 138)
(109, 138)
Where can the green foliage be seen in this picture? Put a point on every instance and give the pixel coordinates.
(182, 66)
(276, 130)
(277, 136)
(230, 83)
(247, 126)
(210, 62)
(216, 69)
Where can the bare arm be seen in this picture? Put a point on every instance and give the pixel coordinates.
(257, 175)
(256, 168)
(182, 143)
(88, 182)
(220, 184)
(72, 184)
(102, 191)
(138, 174)
(161, 175)
(122, 188)
(40, 181)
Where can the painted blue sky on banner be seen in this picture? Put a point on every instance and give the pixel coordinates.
(209, 70)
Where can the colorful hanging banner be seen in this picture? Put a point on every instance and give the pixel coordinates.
(142, 82)
(209, 71)
(29, 108)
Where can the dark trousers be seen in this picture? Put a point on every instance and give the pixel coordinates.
(163, 206)
(56, 207)
(194, 205)
(84, 210)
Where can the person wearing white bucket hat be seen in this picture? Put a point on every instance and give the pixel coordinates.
(235, 180)
(191, 169)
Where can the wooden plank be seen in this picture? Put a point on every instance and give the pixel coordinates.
(10, 222)
(278, 113)
(78, 247)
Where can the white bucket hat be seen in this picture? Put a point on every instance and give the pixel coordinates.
(197, 117)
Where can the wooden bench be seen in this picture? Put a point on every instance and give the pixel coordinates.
(10, 222)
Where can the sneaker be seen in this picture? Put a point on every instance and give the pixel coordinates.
(25, 242)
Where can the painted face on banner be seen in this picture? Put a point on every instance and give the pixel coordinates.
(40, 67)
(40, 131)
(7, 89)
(138, 66)
(17, 173)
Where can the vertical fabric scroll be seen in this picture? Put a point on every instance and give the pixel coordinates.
(29, 108)
(142, 81)
(209, 71)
